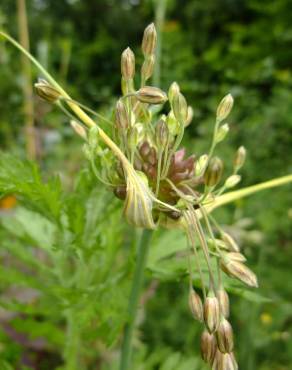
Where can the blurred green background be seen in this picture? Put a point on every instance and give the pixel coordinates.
(210, 48)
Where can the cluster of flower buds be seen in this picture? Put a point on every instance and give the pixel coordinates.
(159, 184)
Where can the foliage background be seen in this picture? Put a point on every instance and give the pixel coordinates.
(210, 48)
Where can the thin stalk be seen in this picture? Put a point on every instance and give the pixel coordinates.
(71, 353)
(160, 10)
(28, 108)
(137, 284)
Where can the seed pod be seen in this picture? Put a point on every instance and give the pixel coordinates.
(230, 242)
(190, 116)
(213, 172)
(239, 271)
(201, 165)
(46, 91)
(180, 107)
(147, 67)
(149, 40)
(208, 347)
(224, 107)
(128, 64)
(211, 312)
(196, 305)
(223, 302)
(221, 133)
(232, 181)
(151, 95)
(240, 157)
(224, 335)
(162, 134)
(80, 130)
(224, 361)
(122, 117)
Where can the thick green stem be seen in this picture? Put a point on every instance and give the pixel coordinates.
(137, 284)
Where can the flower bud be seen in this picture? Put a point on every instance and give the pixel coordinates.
(122, 117)
(148, 67)
(230, 242)
(180, 107)
(128, 64)
(162, 134)
(190, 116)
(196, 305)
(213, 172)
(239, 271)
(224, 107)
(211, 312)
(173, 90)
(223, 302)
(221, 133)
(201, 165)
(80, 130)
(151, 95)
(235, 256)
(239, 158)
(224, 335)
(149, 40)
(208, 347)
(232, 181)
(224, 361)
(46, 91)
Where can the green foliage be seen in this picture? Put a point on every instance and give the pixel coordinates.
(63, 250)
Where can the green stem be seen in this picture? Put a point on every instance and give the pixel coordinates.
(137, 284)
(71, 353)
(238, 194)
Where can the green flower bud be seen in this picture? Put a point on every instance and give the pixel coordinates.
(223, 302)
(221, 133)
(239, 271)
(190, 116)
(93, 137)
(213, 172)
(230, 242)
(162, 134)
(211, 312)
(148, 67)
(196, 305)
(46, 91)
(173, 90)
(240, 157)
(208, 347)
(201, 165)
(80, 130)
(149, 40)
(224, 107)
(232, 181)
(122, 117)
(128, 64)
(151, 95)
(224, 335)
(180, 107)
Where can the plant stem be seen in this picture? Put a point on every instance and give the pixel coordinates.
(160, 10)
(71, 353)
(137, 283)
(28, 108)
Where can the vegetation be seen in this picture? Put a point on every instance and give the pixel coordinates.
(69, 264)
